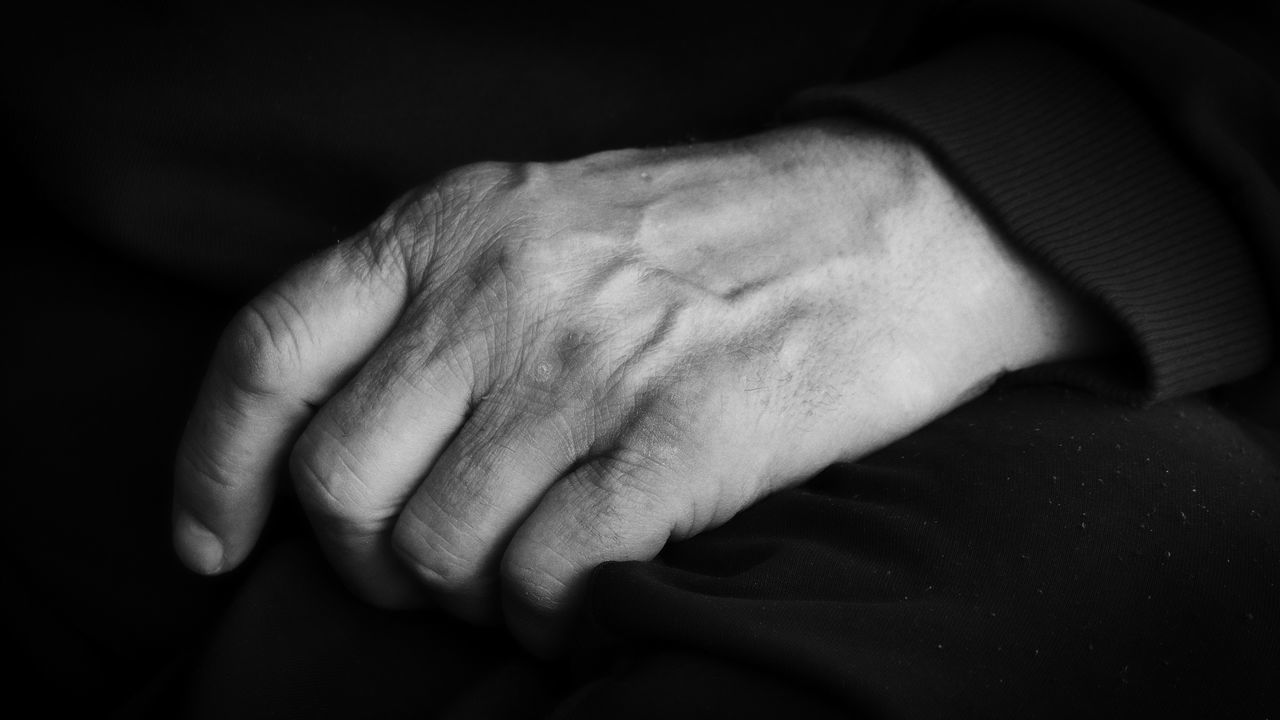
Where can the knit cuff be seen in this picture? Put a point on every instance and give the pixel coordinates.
(1067, 166)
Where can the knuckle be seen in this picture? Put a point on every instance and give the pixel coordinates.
(443, 560)
(262, 349)
(597, 509)
(409, 220)
(631, 489)
(329, 482)
(475, 462)
(372, 259)
(448, 206)
(625, 471)
(619, 498)
(427, 370)
(659, 434)
(534, 572)
(478, 180)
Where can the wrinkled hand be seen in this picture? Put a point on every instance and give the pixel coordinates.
(526, 370)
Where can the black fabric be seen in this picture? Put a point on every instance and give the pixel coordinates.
(1039, 552)
(222, 142)
(1043, 551)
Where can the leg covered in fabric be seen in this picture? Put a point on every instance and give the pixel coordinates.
(1039, 552)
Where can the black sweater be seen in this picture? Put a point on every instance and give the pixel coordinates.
(1134, 153)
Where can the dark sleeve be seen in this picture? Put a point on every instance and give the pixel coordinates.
(1131, 150)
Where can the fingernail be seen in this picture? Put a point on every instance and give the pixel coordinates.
(199, 548)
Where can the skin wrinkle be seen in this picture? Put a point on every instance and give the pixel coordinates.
(465, 529)
(606, 506)
(530, 579)
(257, 357)
(437, 330)
(413, 226)
(448, 216)
(318, 463)
(493, 311)
(444, 336)
(635, 493)
(474, 461)
(428, 534)
(222, 482)
(372, 262)
(467, 479)
(299, 322)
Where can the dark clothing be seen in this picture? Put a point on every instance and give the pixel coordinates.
(1134, 155)
(1049, 549)
(1037, 553)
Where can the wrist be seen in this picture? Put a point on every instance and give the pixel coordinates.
(981, 306)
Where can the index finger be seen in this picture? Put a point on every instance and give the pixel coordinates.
(286, 351)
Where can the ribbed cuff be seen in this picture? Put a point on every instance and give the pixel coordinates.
(1067, 166)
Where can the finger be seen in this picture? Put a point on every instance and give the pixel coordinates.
(457, 523)
(622, 507)
(365, 451)
(288, 349)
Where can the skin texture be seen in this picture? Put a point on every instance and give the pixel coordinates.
(523, 371)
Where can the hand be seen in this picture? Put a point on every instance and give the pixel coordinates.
(526, 370)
